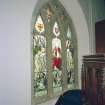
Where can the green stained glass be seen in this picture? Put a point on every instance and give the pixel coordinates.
(69, 33)
(40, 83)
(39, 60)
(57, 80)
(70, 60)
(54, 50)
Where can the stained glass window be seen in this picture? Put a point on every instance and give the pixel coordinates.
(70, 59)
(54, 51)
(56, 59)
(39, 59)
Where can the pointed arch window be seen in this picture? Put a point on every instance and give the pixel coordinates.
(54, 51)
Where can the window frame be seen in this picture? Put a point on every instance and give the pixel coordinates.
(48, 48)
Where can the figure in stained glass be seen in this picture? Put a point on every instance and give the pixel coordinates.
(52, 62)
(70, 60)
(56, 48)
(39, 55)
(57, 59)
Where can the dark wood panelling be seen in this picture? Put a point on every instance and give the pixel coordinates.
(100, 36)
(93, 79)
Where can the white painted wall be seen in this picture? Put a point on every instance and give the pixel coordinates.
(15, 73)
(15, 46)
(3, 70)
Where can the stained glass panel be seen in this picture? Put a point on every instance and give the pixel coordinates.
(39, 59)
(70, 59)
(56, 59)
(54, 50)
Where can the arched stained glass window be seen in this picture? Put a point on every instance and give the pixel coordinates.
(70, 59)
(54, 51)
(39, 58)
(56, 59)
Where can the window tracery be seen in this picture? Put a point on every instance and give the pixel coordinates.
(53, 51)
